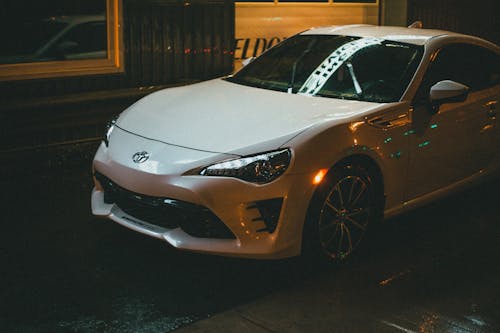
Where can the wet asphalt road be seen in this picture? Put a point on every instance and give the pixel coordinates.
(62, 270)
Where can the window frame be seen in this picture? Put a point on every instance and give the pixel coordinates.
(113, 63)
(422, 93)
(250, 3)
(365, 2)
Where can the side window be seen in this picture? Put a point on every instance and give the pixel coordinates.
(474, 66)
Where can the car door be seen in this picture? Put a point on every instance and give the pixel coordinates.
(457, 141)
(486, 89)
(491, 98)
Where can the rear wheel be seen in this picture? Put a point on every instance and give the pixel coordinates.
(344, 207)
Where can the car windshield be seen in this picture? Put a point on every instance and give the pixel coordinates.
(365, 69)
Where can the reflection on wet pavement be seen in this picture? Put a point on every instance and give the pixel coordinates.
(63, 270)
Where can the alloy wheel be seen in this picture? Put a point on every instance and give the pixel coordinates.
(344, 216)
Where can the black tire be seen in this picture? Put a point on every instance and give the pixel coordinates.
(344, 208)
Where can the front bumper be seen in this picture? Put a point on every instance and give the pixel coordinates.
(246, 211)
(195, 220)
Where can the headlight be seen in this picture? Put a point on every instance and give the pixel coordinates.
(110, 125)
(262, 168)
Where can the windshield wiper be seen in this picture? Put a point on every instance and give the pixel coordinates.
(355, 81)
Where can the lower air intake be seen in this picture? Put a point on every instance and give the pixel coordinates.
(195, 220)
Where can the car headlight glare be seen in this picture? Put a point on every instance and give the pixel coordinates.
(262, 168)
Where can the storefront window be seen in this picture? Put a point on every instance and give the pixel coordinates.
(59, 37)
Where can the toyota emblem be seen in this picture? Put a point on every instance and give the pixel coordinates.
(140, 157)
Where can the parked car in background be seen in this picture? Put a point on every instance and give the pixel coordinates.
(306, 147)
(57, 38)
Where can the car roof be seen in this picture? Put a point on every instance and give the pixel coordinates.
(399, 34)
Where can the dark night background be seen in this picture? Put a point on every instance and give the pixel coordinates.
(63, 270)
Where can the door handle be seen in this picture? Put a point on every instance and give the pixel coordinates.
(491, 108)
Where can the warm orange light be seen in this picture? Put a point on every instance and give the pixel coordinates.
(319, 176)
(354, 126)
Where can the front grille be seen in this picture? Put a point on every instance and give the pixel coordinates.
(195, 220)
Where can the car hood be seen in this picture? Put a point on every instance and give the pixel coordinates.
(224, 117)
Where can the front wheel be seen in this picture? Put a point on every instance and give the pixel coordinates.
(342, 210)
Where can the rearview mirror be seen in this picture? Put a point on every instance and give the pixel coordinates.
(447, 91)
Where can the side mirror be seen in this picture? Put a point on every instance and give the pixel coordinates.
(246, 61)
(447, 91)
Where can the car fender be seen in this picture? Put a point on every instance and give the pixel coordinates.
(386, 146)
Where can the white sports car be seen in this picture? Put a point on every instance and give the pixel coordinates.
(308, 145)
